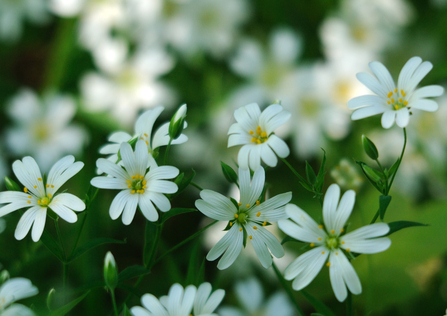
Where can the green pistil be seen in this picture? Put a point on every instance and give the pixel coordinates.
(332, 242)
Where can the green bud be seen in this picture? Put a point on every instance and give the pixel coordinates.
(4, 276)
(11, 185)
(177, 121)
(50, 299)
(370, 148)
(229, 173)
(110, 271)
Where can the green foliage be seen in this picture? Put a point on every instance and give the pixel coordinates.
(229, 173)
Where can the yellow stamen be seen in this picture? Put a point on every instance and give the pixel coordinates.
(320, 226)
(250, 237)
(400, 100)
(29, 196)
(240, 229)
(265, 223)
(342, 230)
(52, 186)
(144, 182)
(29, 202)
(247, 206)
(147, 143)
(141, 177)
(258, 130)
(257, 202)
(392, 100)
(336, 253)
(264, 134)
(25, 190)
(258, 214)
(348, 250)
(49, 195)
(388, 102)
(390, 94)
(142, 138)
(254, 227)
(396, 107)
(395, 90)
(236, 216)
(328, 264)
(40, 179)
(38, 202)
(142, 191)
(403, 93)
(332, 231)
(48, 185)
(231, 224)
(239, 204)
(251, 132)
(322, 252)
(132, 192)
(312, 244)
(254, 140)
(343, 242)
(405, 103)
(128, 181)
(129, 186)
(258, 141)
(319, 238)
(145, 135)
(35, 187)
(133, 177)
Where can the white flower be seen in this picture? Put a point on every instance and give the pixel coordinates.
(13, 290)
(138, 186)
(143, 130)
(42, 127)
(39, 196)
(329, 241)
(178, 302)
(205, 303)
(248, 218)
(255, 131)
(250, 295)
(394, 101)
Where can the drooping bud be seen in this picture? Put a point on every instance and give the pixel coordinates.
(370, 148)
(177, 121)
(110, 271)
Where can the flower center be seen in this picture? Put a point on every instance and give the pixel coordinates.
(332, 242)
(137, 184)
(44, 201)
(397, 99)
(259, 136)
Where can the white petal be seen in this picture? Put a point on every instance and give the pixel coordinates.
(367, 112)
(363, 101)
(39, 224)
(407, 72)
(128, 159)
(341, 272)
(63, 211)
(279, 146)
(371, 83)
(427, 92)
(141, 157)
(145, 121)
(130, 208)
(343, 211)
(233, 239)
(276, 121)
(250, 191)
(268, 156)
(425, 105)
(25, 222)
(140, 311)
(330, 204)
(242, 158)
(388, 118)
(260, 248)
(402, 117)
(108, 183)
(161, 201)
(273, 209)
(112, 169)
(418, 75)
(303, 227)
(119, 137)
(163, 172)
(69, 200)
(63, 170)
(271, 242)
(147, 208)
(239, 139)
(254, 159)
(162, 186)
(383, 75)
(28, 175)
(248, 116)
(118, 204)
(151, 303)
(17, 289)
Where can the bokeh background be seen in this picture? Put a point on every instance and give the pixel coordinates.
(74, 71)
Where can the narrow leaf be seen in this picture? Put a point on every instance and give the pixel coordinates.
(176, 211)
(319, 305)
(49, 242)
(193, 262)
(320, 177)
(310, 174)
(91, 244)
(68, 307)
(384, 201)
(150, 234)
(398, 225)
(229, 173)
(132, 272)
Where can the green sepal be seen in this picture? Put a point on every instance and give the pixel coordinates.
(287, 239)
(227, 228)
(398, 225)
(229, 173)
(245, 237)
(310, 174)
(370, 148)
(11, 185)
(91, 244)
(176, 128)
(69, 306)
(377, 184)
(235, 203)
(384, 201)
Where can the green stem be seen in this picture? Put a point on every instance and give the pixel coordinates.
(196, 185)
(293, 170)
(384, 174)
(375, 217)
(349, 305)
(64, 263)
(112, 294)
(167, 151)
(399, 161)
(287, 289)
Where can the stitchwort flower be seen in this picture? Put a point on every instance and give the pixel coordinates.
(255, 131)
(395, 102)
(139, 186)
(206, 302)
(39, 195)
(13, 290)
(329, 240)
(246, 219)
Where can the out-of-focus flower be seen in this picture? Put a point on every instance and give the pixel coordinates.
(206, 302)
(138, 186)
(394, 101)
(39, 196)
(126, 86)
(42, 127)
(67, 8)
(203, 25)
(255, 132)
(178, 302)
(13, 290)
(143, 131)
(250, 295)
(330, 241)
(13, 14)
(247, 218)
(347, 175)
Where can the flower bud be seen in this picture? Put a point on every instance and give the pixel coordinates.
(4, 276)
(11, 185)
(229, 173)
(370, 148)
(177, 121)
(110, 271)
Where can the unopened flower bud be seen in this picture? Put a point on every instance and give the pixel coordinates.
(177, 121)
(110, 271)
(370, 148)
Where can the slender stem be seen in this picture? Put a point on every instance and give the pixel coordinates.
(64, 263)
(167, 151)
(196, 185)
(287, 289)
(112, 294)
(184, 241)
(384, 174)
(293, 170)
(349, 305)
(399, 161)
(375, 217)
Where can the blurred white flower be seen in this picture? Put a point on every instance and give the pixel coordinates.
(210, 26)
(124, 86)
(38, 195)
(66, 8)
(250, 295)
(13, 290)
(206, 302)
(395, 102)
(13, 13)
(42, 127)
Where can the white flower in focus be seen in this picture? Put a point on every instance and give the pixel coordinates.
(251, 296)
(247, 219)
(138, 186)
(13, 290)
(255, 131)
(143, 131)
(39, 196)
(42, 127)
(395, 102)
(178, 302)
(330, 241)
(205, 303)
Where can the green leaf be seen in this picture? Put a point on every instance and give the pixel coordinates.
(310, 174)
(369, 148)
(193, 262)
(68, 307)
(320, 177)
(384, 201)
(393, 168)
(11, 185)
(319, 305)
(89, 245)
(374, 183)
(287, 239)
(176, 211)
(229, 173)
(398, 225)
(132, 272)
(49, 242)
(182, 183)
(200, 276)
(150, 236)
